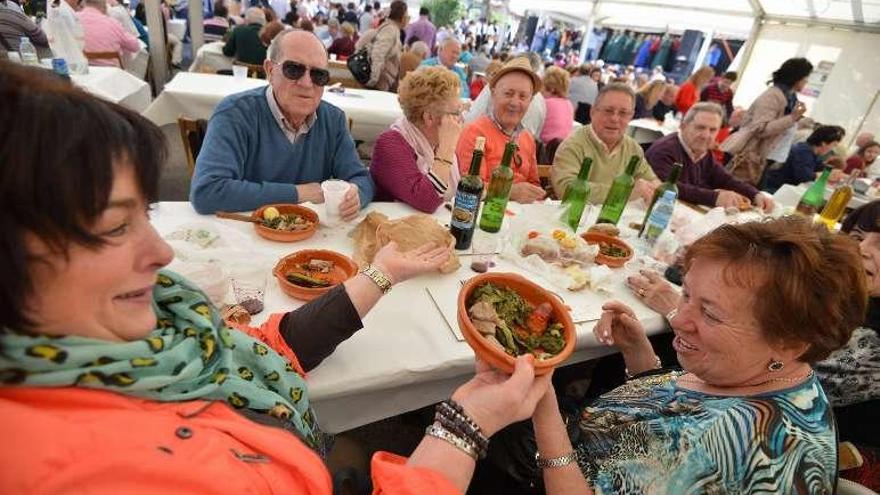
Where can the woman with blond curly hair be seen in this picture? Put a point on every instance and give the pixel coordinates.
(647, 97)
(560, 111)
(414, 160)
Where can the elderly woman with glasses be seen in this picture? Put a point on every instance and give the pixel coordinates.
(762, 303)
(512, 89)
(414, 161)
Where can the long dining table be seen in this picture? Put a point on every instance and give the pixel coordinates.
(407, 355)
(195, 95)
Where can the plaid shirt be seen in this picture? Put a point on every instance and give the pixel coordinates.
(713, 93)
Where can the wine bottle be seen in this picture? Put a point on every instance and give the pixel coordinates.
(812, 200)
(575, 198)
(671, 184)
(467, 200)
(836, 205)
(499, 192)
(618, 195)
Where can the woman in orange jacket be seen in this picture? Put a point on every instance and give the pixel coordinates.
(120, 377)
(689, 93)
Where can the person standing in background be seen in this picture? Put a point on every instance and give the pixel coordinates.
(366, 19)
(422, 30)
(720, 91)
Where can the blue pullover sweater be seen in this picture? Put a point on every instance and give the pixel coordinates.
(246, 161)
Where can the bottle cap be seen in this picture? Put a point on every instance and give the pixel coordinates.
(480, 143)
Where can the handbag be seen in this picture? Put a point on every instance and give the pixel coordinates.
(360, 64)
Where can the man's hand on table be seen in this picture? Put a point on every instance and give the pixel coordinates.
(310, 193)
(654, 291)
(730, 199)
(645, 189)
(351, 204)
(764, 201)
(400, 266)
(523, 192)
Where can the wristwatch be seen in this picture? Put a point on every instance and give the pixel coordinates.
(555, 462)
(377, 276)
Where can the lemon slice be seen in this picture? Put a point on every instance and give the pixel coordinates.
(271, 213)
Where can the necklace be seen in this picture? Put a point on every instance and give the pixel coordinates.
(693, 379)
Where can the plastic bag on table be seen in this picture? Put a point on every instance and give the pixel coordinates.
(66, 37)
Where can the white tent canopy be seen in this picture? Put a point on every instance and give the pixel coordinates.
(730, 17)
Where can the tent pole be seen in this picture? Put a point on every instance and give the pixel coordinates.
(196, 25)
(158, 59)
(591, 22)
(749, 46)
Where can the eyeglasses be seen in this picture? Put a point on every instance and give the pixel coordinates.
(295, 70)
(611, 112)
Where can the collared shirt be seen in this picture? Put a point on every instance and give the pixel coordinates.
(424, 30)
(289, 131)
(611, 152)
(688, 150)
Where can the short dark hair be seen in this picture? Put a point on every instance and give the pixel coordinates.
(397, 10)
(368, 8)
(865, 218)
(791, 71)
(730, 76)
(350, 5)
(60, 150)
(809, 284)
(826, 134)
(220, 9)
(424, 11)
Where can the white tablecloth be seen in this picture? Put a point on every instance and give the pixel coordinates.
(210, 58)
(406, 356)
(648, 130)
(116, 85)
(195, 95)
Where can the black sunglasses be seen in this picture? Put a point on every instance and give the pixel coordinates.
(295, 70)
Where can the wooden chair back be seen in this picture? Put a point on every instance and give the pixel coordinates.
(104, 56)
(544, 177)
(254, 70)
(192, 133)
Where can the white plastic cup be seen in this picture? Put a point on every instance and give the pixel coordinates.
(239, 71)
(334, 193)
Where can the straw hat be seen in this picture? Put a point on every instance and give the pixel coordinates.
(518, 64)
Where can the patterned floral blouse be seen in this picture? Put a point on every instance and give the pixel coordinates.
(650, 436)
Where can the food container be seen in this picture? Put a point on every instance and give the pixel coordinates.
(604, 259)
(284, 235)
(534, 295)
(343, 269)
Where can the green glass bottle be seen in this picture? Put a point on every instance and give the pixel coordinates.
(618, 195)
(671, 184)
(467, 200)
(498, 192)
(575, 198)
(812, 200)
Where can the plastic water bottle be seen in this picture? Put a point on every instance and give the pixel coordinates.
(28, 52)
(660, 217)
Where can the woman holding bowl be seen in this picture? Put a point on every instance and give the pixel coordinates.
(120, 377)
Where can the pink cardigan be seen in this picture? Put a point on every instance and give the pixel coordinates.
(559, 120)
(398, 178)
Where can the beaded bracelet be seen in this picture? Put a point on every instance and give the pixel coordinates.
(442, 433)
(457, 426)
(455, 414)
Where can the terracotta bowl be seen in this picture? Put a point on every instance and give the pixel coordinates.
(534, 295)
(283, 235)
(343, 269)
(609, 261)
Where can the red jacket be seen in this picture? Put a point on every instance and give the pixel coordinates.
(78, 440)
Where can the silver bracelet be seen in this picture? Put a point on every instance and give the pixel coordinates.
(437, 431)
(657, 365)
(555, 462)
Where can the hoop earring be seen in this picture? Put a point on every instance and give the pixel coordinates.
(775, 366)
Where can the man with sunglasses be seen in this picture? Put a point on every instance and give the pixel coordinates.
(276, 144)
(605, 141)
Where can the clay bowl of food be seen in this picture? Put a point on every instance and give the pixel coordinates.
(503, 315)
(285, 222)
(613, 252)
(310, 273)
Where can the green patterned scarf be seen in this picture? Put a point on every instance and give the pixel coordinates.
(191, 355)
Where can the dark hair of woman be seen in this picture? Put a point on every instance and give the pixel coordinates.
(791, 71)
(41, 195)
(826, 134)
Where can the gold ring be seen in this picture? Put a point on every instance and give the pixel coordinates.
(641, 292)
